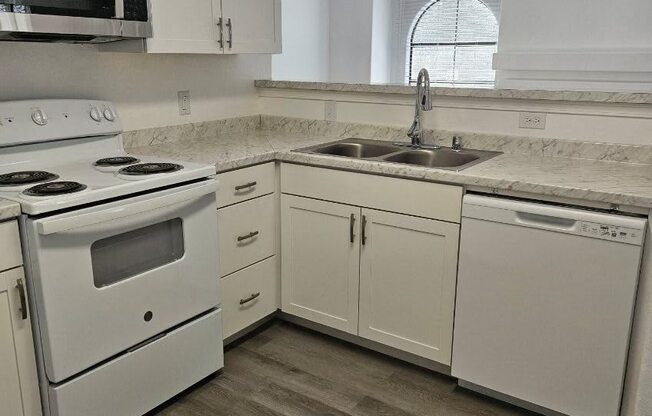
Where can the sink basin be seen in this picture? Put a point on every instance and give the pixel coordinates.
(356, 148)
(441, 158)
(374, 150)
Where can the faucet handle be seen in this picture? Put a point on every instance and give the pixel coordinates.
(457, 143)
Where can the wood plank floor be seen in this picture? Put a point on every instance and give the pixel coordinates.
(284, 369)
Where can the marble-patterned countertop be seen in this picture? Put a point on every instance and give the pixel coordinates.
(576, 96)
(619, 183)
(8, 209)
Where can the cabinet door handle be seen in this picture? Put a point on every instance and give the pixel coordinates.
(364, 230)
(220, 24)
(229, 24)
(351, 229)
(23, 299)
(248, 236)
(249, 299)
(245, 186)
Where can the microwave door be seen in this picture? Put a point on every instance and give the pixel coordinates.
(103, 9)
(110, 277)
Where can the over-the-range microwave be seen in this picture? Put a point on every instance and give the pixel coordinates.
(76, 21)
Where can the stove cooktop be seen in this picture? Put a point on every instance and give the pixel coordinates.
(63, 154)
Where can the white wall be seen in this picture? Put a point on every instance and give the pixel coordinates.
(614, 123)
(350, 45)
(143, 87)
(578, 45)
(381, 41)
(306, 42)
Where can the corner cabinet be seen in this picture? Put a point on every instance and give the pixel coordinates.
(386, 273)
(221, 27)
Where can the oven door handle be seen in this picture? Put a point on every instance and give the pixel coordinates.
(57, 225)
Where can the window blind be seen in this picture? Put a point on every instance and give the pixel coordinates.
(454, 39)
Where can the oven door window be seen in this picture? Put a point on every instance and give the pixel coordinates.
(82, 8)
(122, 256)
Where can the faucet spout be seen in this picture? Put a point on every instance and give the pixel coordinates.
(423, 103)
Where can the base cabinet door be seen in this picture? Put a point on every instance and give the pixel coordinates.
(407, 283)
(19, 394)
(320, 261)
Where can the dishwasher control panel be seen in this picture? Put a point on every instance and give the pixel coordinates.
(611, 232)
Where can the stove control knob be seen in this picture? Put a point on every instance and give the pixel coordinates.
(95, 114)
(39, 117)
(109, 114)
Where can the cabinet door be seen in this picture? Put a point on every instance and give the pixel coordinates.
(320, 261)
(19, 393)
(255, 26)
(407, 283)
(190, 26)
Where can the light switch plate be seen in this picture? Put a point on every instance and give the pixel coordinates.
(184, 103)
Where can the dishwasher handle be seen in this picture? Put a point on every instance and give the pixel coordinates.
(545, 221)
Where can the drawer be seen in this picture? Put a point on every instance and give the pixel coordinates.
(244, 184)
(259, 282)
(404, 196)
(143, 378)
(247, 233)
(10, 242)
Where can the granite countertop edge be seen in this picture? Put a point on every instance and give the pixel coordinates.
(9, 209)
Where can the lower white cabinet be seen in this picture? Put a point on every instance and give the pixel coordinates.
(249, 296)
(19, 394)
(408, 270)
(320, 246)
(380, 263)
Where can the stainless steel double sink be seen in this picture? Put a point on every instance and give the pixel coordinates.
(442, 158)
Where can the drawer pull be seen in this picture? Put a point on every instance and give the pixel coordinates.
(249, 299)
(23, 300)
(248, 236)
(246, 186)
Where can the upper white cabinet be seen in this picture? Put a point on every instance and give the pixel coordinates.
(252, 26)
(210, 27)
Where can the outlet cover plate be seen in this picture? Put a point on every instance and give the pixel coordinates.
(330, 111)
(184, 103)
(532, 121)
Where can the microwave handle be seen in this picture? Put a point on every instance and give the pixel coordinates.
(53, 226)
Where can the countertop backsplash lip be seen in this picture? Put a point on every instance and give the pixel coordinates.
(544, 95)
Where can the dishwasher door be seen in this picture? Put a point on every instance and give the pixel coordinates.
(545, 300)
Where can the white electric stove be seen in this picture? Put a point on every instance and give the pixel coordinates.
(120, 256)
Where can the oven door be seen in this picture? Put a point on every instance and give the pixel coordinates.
(109, 277)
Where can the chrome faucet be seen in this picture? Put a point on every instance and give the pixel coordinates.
(423, 103)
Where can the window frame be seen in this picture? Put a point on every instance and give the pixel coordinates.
(411, 44)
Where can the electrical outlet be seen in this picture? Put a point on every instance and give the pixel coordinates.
(184, 103)
(532, 121)
(330, 113)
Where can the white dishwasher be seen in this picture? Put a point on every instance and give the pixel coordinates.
(545, 299)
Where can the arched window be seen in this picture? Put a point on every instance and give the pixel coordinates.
(455, 40)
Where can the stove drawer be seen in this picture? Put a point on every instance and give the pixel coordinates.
(10, 243)
(249, 295)
(247, 234)
(245, 184)
(138, 381)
